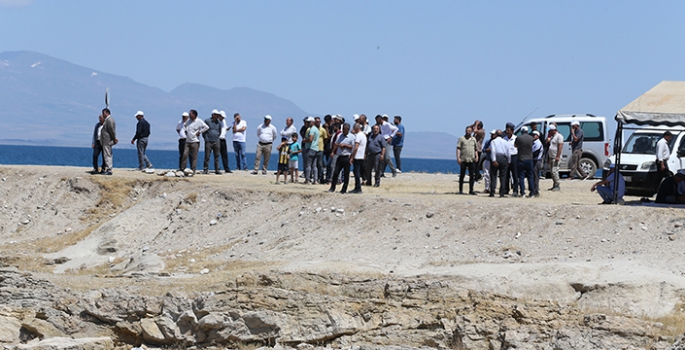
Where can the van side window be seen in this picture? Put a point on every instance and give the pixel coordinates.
(565, 130)
(593, 131)
(682, 144)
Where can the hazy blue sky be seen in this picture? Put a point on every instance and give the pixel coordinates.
(439, 64)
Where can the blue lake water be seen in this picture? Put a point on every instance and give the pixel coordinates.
(166, 159)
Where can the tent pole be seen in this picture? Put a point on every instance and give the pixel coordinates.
(618, 141)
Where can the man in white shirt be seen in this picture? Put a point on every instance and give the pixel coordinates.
(223, 147)
(266, 134)
(239, 127)
(512, 169)
(194, 128)
(663, 152)
(358, 157)
(289, 130)
(499, 160)
(181, 130)
(388, 131)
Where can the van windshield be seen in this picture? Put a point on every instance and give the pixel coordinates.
(645, 143)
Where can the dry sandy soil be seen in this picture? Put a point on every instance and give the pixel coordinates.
(74, 229)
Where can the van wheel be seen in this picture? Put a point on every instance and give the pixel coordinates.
(589, 167)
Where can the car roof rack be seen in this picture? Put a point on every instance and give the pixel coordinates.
(570, 115)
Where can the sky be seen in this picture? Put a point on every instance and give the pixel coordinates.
(439, 64)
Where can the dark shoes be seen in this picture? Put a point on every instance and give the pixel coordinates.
(229, 171)
(356, 191)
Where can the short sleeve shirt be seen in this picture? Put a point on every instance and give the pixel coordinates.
(576, 145)
(467, 148)
(314, 131)
(323, 135)
(294, 147)
(360, 139)
(557, 139)
(239, 136)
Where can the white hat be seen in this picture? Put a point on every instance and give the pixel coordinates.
(139, 113)
(552, 127)
(575, 122)
(494, 131)
(338, 116)
(524, 129)
(268, 117)
(223, 114)
(385, 116)
(535, 132)
(310, 119)
(355, 116)
(185, 114)
(214, 111)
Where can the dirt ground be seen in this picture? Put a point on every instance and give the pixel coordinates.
(83, 231)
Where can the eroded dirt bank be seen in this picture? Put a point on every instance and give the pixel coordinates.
(237, 261)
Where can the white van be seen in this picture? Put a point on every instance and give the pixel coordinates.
(638, 159)
(596, 147)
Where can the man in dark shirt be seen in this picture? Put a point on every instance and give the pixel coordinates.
(142, 134)
(375, 155)
(524, 144)
(212, 143)
(577, 137)
(97, 146)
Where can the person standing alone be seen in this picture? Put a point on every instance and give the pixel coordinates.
(108, 138)
(141, 136)
(467, 157)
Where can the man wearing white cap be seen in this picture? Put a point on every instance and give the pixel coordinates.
(388, 131)
(556, 142)
(211, 136)
(142, 134)
(577, 137)
(223, 147)
(311, 170)
(181, 130)
(266, 133)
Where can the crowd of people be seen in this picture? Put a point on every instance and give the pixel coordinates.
(328, 149)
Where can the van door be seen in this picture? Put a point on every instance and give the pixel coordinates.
(564, 161)
(678, 154)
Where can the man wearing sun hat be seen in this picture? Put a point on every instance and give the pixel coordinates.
(142, 134)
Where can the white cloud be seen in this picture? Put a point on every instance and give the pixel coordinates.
(15, 3)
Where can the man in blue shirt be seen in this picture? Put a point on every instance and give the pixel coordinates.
(605, 188)
(398, 142)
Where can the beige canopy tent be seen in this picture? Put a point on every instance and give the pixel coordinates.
(663, 105)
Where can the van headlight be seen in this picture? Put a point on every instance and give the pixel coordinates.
(607, 163)
(648, 165)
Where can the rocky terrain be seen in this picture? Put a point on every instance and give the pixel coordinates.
(235, 261)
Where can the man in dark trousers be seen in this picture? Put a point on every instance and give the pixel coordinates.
(212, 144)
(142, 134)
(96, 146)
(108, 138)
(343, 148)
(467, 157)
(524, 145)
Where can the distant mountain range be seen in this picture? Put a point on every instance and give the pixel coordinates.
(48, 101)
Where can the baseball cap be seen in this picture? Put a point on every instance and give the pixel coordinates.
(494, 131)
(536, 133)
(355, 116)
(510, 125)
(575, 122)
(268, 117)
(215, 111)
(223, 114)
(139, 113)
(310, 119)
(338, 116)
(552, 127)
(185, 114)
(524, 129)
